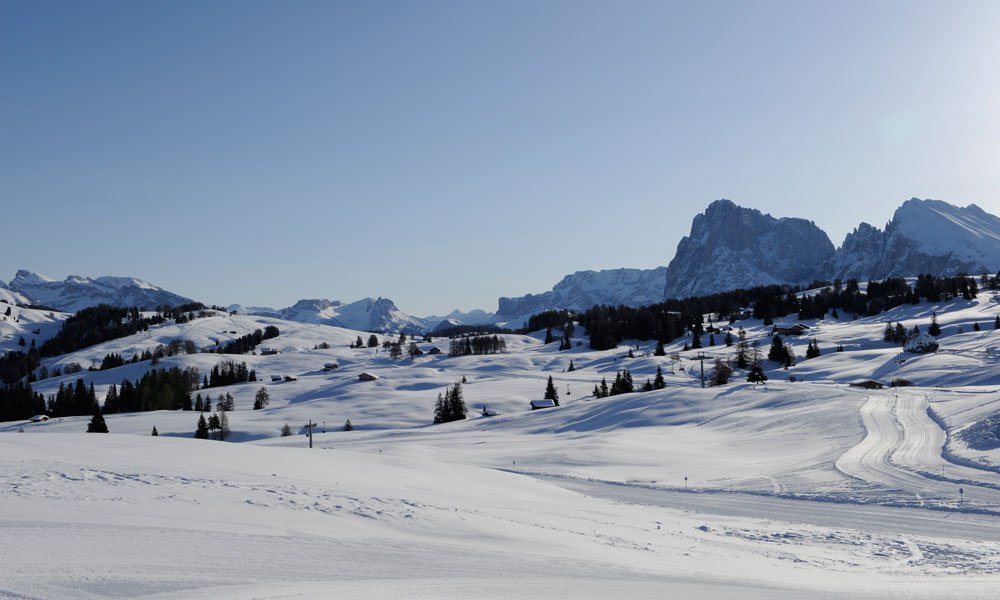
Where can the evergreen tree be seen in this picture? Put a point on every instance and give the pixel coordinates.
(756, 374)
(975, 326)
(548, 336)
(996, 322)
(729, 339)
(285, 430)
(722, 373)
(630, 353)
(660, 351)
(551, 393)
(348, 426)
(934, 328)
(648, 386)
(812, 351)
(359, 344)
(711, 339)
(457, 408)
(213, 423)
(604, 388)
(597, 391)
(439, 410)
(779, 352)
(155, 432)
(262, 399)
(372, 341)
(658, 383)
(395, 351)
(97, 424)
(571, 367)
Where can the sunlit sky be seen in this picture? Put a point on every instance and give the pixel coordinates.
(443, 154)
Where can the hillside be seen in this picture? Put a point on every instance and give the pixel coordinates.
(802, 485)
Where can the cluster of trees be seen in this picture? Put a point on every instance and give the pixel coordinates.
(372, 342)
(248, 342)
(157, 389)
(480, 344)
(451, 406)
(227, 373)
(95, 325)
(19, 401)
(215, 427)
(621, 385)
(568, 329)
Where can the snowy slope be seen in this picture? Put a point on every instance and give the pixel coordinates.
(789, 489)
(76, 293)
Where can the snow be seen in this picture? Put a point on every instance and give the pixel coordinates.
(790, 489)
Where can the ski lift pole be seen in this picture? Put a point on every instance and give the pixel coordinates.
(310, 433)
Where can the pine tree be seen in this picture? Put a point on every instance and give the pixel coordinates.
(658, 383)
(779, 352)
(457, 408)
(722, 373)
(262, 399)
(756, 375)
(812, 351)
(630, 353)
(660, 351)
(348, 426)
(934, 328)
(604, 388)
(571, 367)
(975, 326)
(155, 432)
(551, 393)
(548, 336)
(597, 391)
(372, 341)
(97, 424)
(996, 322)
(439, 410)
(213, 423)
(648, 386)
(729, 339)
(285, 430)
(358, 343)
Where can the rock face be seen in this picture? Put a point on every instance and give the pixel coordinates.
(733, 247)
(924, 236)
(76, 292)
(584, 289)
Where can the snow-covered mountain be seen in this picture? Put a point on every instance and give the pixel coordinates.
(733, 247)
(584, 289)
(11, 297)
(924, 236)
(367, 314)
(76, 292)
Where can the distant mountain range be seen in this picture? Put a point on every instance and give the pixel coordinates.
(76, 293)
(729, 247)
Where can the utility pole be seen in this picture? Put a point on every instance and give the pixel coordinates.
(310, 433)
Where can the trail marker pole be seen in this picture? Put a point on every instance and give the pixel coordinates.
(961, 495)
(685, 482)
(310, 433)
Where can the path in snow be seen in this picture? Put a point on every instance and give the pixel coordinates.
(902, 453)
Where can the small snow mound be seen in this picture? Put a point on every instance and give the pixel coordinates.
(984, 434)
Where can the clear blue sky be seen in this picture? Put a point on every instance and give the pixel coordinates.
(445, 153)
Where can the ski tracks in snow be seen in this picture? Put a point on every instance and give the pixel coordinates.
(902, 454)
